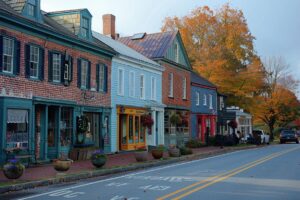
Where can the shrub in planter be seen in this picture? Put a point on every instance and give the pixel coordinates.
(98, 158)
(174, 151)
(13, 169)
(141, 154)
(62, 164)
(158, 152)
(194, 143)
(212, 141)
(185, 151)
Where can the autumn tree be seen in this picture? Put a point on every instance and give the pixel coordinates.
(220, 47)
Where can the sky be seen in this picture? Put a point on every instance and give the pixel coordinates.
(274, 23)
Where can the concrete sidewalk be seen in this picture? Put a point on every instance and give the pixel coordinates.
(46, 175)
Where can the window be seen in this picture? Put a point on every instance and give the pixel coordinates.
(34, 61)
(120, 82)
(8, 55)
(153, 88)
(102, 78)
(170, 78)
(142, 86)
(184, 88)
(204, 100)
(85, 27)
(56, 67)
(176, 52)
(84, 73)
(197, 99)
(31, 10)
(66, 126)
(210, 101)
(131, 84)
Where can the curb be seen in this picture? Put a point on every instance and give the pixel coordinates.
(102, 172)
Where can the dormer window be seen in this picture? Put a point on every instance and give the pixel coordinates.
(31, 10)
(176, 52)
(85, 27)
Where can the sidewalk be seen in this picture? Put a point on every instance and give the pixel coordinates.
(46, 175)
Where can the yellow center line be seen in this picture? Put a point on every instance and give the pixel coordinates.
(217, 176)
(272, 156)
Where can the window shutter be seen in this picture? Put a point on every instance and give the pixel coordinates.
(17, 54)
(27, 60)
(70, 68)
(1, 51)
(41, 63)
(89, 76)
(79, 73)
(62, 68)
(105, 78)
(50, 64)
(98, 77)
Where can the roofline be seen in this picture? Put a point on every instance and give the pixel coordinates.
(21, 22)
(141, 62)
(172, 63)
(59, 12)
(203, 86)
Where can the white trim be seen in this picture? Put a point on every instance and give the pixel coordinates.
(197, 98)
(142, 89)
(37, 63)
(131, 77)
(204, 99)
(210, 101)
(121, 87)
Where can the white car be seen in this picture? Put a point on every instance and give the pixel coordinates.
(265, 139)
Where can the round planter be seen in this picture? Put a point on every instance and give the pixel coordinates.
(99, 162)
(141, 156)
(62, 165)
(157, 153)
(174, 152)
(13, 171)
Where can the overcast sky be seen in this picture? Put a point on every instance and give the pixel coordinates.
(274, 23)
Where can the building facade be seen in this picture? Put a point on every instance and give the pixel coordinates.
(167, 49)
(51, 97)
(221, 120)
(136, 90)
(203, 108)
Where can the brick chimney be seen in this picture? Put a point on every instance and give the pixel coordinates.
(109, 26)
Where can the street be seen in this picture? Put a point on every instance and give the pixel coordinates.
(271, 172)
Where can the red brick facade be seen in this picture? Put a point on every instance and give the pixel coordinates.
(21, 85)
(178, 75)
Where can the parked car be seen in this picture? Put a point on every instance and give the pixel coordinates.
(288, 136)
(261, 137)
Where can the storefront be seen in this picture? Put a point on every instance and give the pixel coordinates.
(206, 126)
(132, 134)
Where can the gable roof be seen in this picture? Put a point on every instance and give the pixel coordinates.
(152, 45)
(196, 78)
(123, 49)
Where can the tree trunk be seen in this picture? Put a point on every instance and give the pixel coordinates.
(271, 129)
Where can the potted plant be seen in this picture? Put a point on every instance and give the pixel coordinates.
(98, 158)
(174, 151)
(13, 169)
(158, 152)
(63, 163)
(141, 154)
(175, 119)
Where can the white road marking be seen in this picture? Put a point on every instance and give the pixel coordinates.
(117, 184)
(155, 187)
(131, 174)
(175, 179)
(66, 194)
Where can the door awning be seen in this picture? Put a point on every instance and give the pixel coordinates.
(17, 116)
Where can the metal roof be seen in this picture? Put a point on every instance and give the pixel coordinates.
(196, 78)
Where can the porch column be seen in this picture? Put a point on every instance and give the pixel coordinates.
(45, 145)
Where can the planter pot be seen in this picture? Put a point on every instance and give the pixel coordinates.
(62, 165)
(174, 152)
(141, 156)
(99, 162)
(13, 171)
(157, 153)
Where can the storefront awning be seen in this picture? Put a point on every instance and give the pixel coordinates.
(17, 116)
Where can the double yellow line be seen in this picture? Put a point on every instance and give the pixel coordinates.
(218, 178)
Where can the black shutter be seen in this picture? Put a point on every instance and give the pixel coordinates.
(88, 85)
(70, 68)
(17, 54)
(105, 78)
(62, 67)
(41, 63)
(50, 64)
(79, 73)
(27, 60)
(97, 77)
(1, 52)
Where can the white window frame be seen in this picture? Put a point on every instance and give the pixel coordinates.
(101, 77)
(204, 99)
(31, 10)
(176, 52)
(153, 88)
(171, 85)
(84, 73)
(56, 67)
(210, 101)
(121, 83)
(184, 88)
(11, 56)
(142, 87)
(197, 98)
(33, 62)
(131, 84)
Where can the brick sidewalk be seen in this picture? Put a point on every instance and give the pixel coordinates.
(121, 159)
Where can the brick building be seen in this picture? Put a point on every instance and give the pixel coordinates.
(167, 49)
(54, 81)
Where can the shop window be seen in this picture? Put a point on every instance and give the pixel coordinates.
(17, 129)
(137, 128)
(52, 126)
(93, 129)
(66, 126)
(123, 128)
(130, 139)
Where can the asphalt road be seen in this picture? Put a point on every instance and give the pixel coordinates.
(271, 172)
